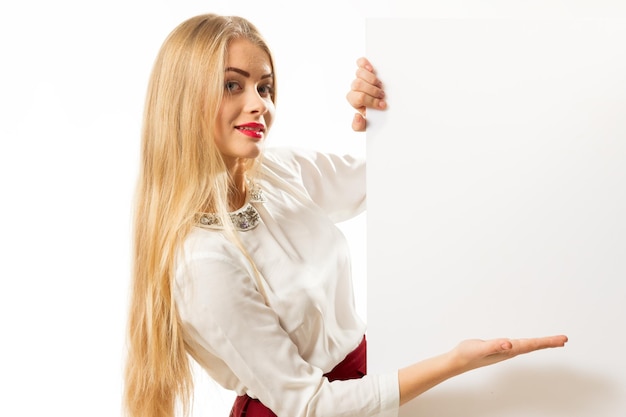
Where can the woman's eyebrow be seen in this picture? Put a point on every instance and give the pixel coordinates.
(246, 73)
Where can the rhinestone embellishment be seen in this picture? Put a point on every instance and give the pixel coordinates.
(246, 218)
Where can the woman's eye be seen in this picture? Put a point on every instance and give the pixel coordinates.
(231, 86)
(266, 90)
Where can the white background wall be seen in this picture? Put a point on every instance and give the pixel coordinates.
(72, 83)
(501, 209)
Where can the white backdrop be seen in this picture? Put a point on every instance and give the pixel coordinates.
(497, 201)
(72, 82)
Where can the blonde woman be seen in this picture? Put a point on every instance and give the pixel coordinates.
(237, 261)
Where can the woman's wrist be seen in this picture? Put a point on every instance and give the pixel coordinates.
(424, 375)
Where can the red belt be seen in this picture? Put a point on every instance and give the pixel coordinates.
(354, 366)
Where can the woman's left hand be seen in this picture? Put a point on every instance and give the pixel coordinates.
(476, 353)
(365, 92)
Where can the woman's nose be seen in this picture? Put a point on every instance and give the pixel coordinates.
(255, 103)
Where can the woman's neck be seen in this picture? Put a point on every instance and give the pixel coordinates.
(238, 189)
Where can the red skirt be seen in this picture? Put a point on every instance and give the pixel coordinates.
(354, 366)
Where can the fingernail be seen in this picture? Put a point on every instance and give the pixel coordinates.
(382, 104)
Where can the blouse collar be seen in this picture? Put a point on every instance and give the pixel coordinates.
(244, 219)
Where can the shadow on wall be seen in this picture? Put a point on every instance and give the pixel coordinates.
(538, 392)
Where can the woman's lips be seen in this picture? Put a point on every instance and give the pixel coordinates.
(253, 130)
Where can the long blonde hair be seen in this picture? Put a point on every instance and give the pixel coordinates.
(181, 174)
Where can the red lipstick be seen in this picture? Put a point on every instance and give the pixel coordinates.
(253, 130)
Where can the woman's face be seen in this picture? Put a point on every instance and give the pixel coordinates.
(247, 109)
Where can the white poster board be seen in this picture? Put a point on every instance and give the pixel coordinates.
(497, 207)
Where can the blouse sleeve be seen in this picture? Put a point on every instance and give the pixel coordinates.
(335, 183)
(218, 300)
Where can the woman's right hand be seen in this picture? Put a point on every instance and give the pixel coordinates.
(365, 92)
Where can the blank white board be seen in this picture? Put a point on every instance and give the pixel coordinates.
(497, 207)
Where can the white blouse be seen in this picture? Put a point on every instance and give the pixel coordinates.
(278, 349)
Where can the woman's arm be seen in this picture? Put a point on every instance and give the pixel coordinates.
(467, 355)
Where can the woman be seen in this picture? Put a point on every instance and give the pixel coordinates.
(237, 261)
